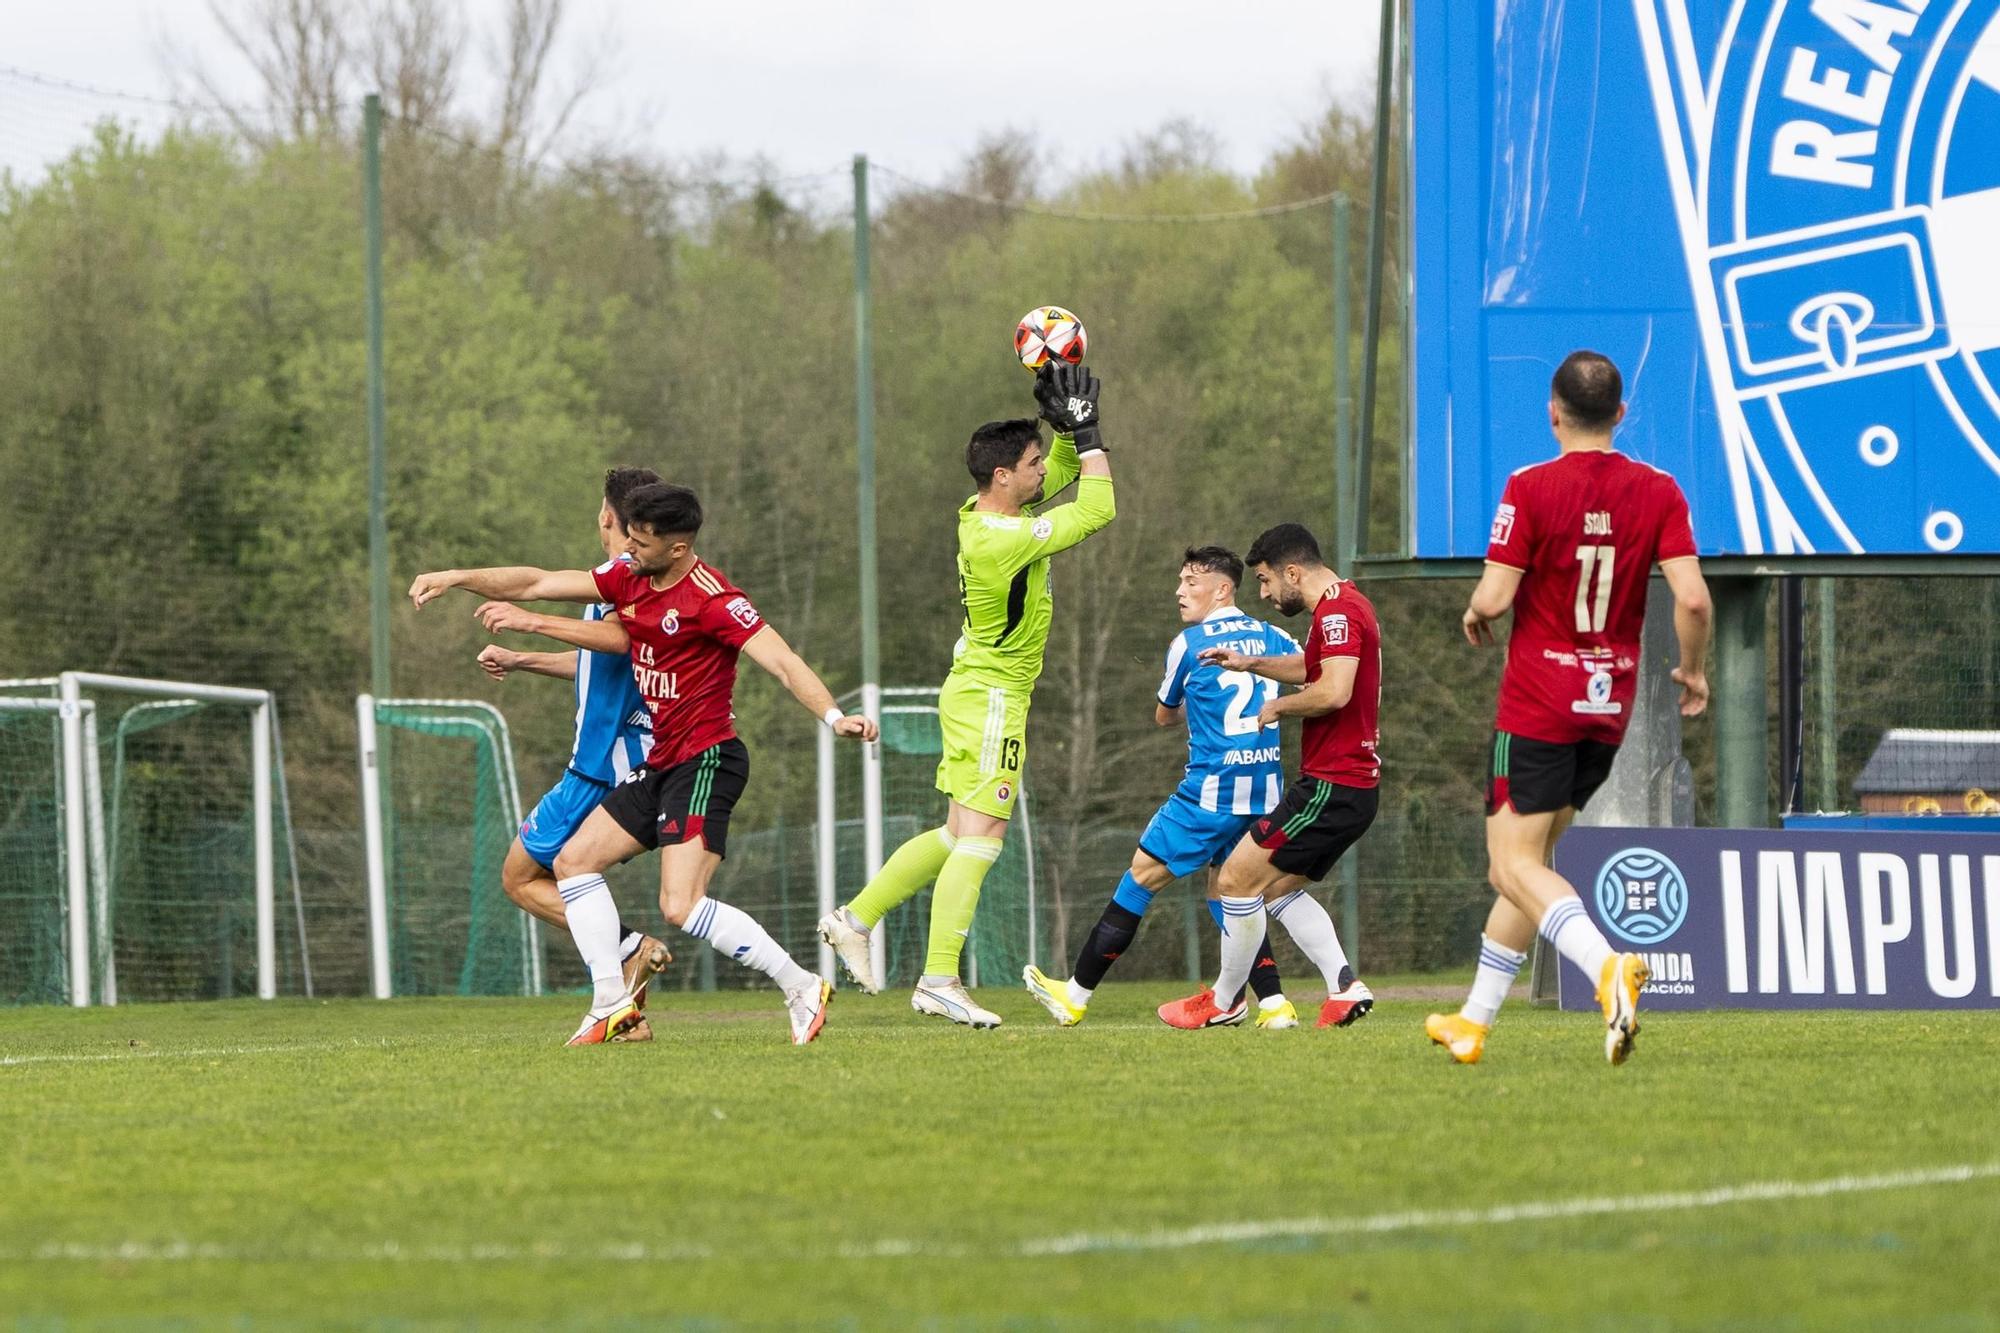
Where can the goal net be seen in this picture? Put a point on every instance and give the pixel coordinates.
(165, 819)
(36, 888)
(441, 804)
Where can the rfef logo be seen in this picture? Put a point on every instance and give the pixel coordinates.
(1642, 897)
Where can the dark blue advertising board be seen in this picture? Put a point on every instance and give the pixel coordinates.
(1789, 919)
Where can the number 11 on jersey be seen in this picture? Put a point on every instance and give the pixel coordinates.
(1591, 610)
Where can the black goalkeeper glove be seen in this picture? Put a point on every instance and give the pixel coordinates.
(1067, 396)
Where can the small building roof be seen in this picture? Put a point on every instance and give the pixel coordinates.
(1915, 761)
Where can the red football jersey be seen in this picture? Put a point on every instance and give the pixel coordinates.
(1340, 746)
(685, 638)
(1585, 530)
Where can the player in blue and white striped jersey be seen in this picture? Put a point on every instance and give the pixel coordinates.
(1234, 774)
(614, 730)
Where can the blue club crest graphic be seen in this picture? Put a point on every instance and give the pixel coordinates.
(1642, 897)
(1811, 341)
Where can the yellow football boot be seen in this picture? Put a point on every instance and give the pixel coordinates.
(1618, 987)
(599, 1028)
(1278, 1017)
(1053, 994)
(1464, 1039)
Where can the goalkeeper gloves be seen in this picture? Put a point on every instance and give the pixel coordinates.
(1067, 396)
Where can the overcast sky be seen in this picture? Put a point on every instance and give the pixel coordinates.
(804, 83)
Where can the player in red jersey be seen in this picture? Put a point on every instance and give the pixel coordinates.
(685, 625)
(1332, 802)
(1573, 543)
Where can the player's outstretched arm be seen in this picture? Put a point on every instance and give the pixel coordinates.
(1287, 670)
(1492, 599)
(599, 636)
(1693, 617)
(1051, 530)
(768, 649)
(500, 663)
(1328, 694)
(512, 583)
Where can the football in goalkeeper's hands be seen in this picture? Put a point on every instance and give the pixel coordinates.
(1048, 331)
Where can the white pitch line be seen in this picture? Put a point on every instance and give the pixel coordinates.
(1546, 1210)
(1769, 1191)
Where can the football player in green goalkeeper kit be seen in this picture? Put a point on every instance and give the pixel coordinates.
(1004, 546)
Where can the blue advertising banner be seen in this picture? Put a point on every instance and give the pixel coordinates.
(1778, 218)
(1788, 919)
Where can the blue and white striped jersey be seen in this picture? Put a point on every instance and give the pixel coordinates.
(613, 728)
(1234, 765)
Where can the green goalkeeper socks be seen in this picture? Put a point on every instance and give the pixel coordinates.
(955, 900)
(903, 876)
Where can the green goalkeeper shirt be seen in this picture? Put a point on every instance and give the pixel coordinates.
(1003, 573)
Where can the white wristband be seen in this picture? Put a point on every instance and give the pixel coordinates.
(831, 716)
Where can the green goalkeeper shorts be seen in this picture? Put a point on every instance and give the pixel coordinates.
(985, 730)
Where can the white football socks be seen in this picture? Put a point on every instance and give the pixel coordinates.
(593, 924)
(1079, 995)
(1312, 930)
(1242, 932)
(734, 933)
(1576, 937)
(1498, 965)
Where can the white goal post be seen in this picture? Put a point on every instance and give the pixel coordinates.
(88, 936)
(262, 707)
(479, 716)
(71, 717)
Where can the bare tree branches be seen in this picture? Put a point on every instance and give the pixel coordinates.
(312, 60)
(414, 50)
(299, 52)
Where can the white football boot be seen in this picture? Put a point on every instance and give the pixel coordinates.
(949, 1000)
(806, 1004)
(852, 947)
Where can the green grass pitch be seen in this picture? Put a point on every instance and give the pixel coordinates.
(418, 1162)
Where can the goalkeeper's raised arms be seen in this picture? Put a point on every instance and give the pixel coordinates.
(509, 583)
(1067, 396)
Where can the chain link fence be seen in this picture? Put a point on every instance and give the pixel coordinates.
(183, 478)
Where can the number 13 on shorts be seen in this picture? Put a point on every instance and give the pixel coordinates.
(984, 734)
